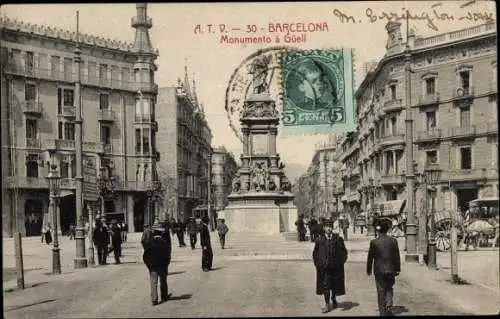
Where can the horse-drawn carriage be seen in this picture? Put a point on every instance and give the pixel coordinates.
(478, 224)
(395, 211)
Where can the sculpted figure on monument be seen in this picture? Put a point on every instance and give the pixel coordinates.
(258, 69)
(285, 185)
(236, 184)
(259, 177)
(260, 109)
(272, 185)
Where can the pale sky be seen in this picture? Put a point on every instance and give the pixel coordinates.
(213, 63)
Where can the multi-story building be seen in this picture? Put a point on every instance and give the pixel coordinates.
(185, 144)
(454, 110)
(118, 96)
(320, 179)
(224, 169)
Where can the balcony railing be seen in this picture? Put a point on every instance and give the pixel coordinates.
(393, 105)
(426, 99)
(56, 75)
(93, 147)
(392, 139)
(464, 175)
(106, 115)
(135, 22)
(463, 131)
(27, 182)
(143, 119)
(32, 107)
(140, 186)
(68, 183)
(429, 135)
(68, 111)
(392, 179)
(33, 143)
(65, 144)
(144, 87)
(462, 93)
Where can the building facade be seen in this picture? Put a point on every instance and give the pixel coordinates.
(118, 97)
(224, 169)
(185, 144)
(318, 192)
(453, 95)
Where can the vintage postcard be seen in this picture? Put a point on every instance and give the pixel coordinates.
(249, 159)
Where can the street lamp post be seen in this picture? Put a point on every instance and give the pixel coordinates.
(106, 184)
(371, 192)
(155, 195)
(54, 186)
(433, 175)
(90, 235)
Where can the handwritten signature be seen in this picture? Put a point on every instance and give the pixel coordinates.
(430, 18)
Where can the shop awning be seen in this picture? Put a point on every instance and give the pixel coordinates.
(353, 198)
(390, 208)
(201, 207)
(344, 198)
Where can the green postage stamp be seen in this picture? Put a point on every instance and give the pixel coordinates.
(318, 88)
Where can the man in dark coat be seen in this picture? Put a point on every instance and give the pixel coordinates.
(329, 256)
(116, 241)
(157, 254)
(192, 229)
(207, 254)
(101, 241)
(301, 228)
(313, 228)
(383, 256)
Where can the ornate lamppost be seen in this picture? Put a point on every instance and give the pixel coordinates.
(155, 196)
(433, 175)
(106, 183)
(371, 194)
(55, 190)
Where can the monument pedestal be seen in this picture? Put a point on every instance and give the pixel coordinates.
(269, 213)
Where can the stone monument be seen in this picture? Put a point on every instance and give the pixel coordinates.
(261, 198)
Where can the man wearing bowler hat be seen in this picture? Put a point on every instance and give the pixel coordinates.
(383, 256)
(329, 256)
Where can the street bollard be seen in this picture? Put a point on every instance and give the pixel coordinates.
(454, 259)
(19, 260)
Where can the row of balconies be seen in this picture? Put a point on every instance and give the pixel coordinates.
(70, 183)
(68, 145)
(427, 136)
(456, 176)
(55, 75)
(33, 107)
(459, 94)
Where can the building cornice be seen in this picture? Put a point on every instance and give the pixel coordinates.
(65, 35)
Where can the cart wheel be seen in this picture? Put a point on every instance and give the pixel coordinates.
(443, 242)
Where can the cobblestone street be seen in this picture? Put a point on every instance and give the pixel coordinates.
(247, 281)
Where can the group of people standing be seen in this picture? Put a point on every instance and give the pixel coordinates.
(157, 246)
(330, 255)
(108, 238)
(316, 228)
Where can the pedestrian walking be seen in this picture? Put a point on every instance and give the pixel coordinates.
(157, 254)
(72, 231)
(207, 254)
(222, 229)
(101, 241)
(329, 256)
(44, 229)
(301, 228)
(181, 229)
(192, 229)
(383, 257)
(124, 231)
(116, 241)
(48, 234)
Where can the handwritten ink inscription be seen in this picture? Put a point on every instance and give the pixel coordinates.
(430, 17)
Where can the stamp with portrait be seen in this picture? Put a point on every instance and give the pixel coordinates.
(318, 92)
